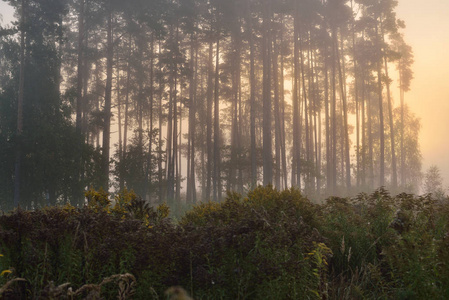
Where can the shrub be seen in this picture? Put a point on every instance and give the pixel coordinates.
(268, 245)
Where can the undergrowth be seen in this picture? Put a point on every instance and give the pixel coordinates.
(268, 245)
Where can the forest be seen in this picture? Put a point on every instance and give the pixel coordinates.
(214, 149)
(183, 100)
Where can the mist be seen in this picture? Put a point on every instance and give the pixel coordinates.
(224, 149)
(182, 101)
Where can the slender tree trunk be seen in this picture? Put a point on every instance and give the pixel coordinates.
(179, 143)
(317, 126)
(312, 126)
(381, 113)
(148, 181)
(174, 163)
(107, 101)
(18, 161)
(79, 77)
(85, 106)
(202, 111)
(170, 136)
(342, 80)
(234, 127)
(363, 150)
(240, 116)
(98, 78)
(217, 169)
(266, 56)
(370, 142)
(253, 152)
(394, 175)
(403, 178)
(194, 107)
(296, 166)
(306, 115)
(327, 122)
(126, 117)
(191, 189)
(334, 115)
(282, 118)
(209, 120)
(381, 127)
(160, 93)
(356, 96)
(179, 133)
(119, 114)
(277, 117)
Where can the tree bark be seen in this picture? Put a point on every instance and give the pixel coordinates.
(266, 56)
(277, 117)
(20, 100)
(342, 80)
(107, 101)
(79, 77)
(296, 166)
(252, 80)
(217, 167)
(191, 188)
(209, 120)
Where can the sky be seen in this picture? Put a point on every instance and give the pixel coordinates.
(427, 32)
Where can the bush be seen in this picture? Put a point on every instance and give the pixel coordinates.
(268, 245)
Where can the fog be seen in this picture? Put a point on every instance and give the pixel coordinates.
(145, 69)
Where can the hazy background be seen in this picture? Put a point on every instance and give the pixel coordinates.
(428, 33)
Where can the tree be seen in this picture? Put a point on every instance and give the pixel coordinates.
(266, 54)
(433, 182)
(403, 65)
(269, 90)
(17, 166)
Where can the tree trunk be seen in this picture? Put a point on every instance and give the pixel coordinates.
(334, 116)
(266, 56)
(107, 101)
(217, 169)
(381, 127)
(363, 150)
(18, 161)
(277, 117)
(403, 178)
(126, 117)
(235, 64)
(327, 122)
(381, 111)
(394, 176)
(149, 171)
(342, 80)
(282, 118)
(79, 77)
(356, 97)
(296, 166)
(170, 136)
(306, 115)
(252, 80)
(191, 189)
(119, 119)
(160, 93)
(209, 120)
